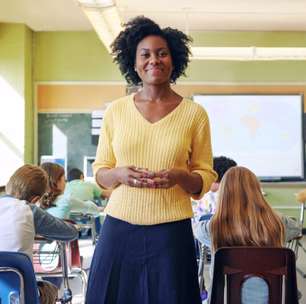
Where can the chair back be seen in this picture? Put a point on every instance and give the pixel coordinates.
(302, 213)
(59, 259)
(241, 263)
(87, 221)
(17, 279)
(48, 256)
(296, 242)
(74, 254)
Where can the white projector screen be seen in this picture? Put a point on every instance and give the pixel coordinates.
(261, 132)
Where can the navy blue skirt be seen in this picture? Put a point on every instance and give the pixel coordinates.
(134, 264)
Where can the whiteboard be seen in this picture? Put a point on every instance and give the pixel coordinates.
(261, 132)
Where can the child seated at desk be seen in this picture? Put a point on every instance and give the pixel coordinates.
(83, 190)
(21, 219)
(244, 218)
(206, 207)
(61, 204)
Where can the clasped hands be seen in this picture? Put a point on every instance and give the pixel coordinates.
(144, 178)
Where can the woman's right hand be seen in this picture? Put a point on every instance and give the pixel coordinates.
(135, 177)
(131, 176)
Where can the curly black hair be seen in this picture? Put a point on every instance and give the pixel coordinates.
(125, 45)
(222, 164)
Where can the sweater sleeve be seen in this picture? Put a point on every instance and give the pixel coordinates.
(201, 156)
(105, 156)
(51, 227)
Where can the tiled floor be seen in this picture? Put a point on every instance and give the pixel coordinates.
(87, 249)
(301, 264)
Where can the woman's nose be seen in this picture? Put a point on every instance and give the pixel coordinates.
(154, 59)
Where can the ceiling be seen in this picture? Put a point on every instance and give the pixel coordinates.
(188, 15)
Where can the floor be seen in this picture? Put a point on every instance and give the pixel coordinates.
(86, 249)
(301, 265)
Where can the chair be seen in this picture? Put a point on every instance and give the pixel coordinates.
(59, 259)
(296, 243)
(275, 265)
(17, 279)
(204, 259)
(87, 221)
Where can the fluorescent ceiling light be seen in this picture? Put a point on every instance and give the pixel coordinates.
(96, 3)
(248, 53)
(104, 17)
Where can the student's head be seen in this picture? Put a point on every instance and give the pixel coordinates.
(243, 217)
(143, 44)
(221, 165)
(56, 174)
(27, 183)
(75, 173)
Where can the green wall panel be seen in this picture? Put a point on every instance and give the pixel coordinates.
(72, 56)
(259, 39)
(16, 116)
(28, 95)
(80, 56)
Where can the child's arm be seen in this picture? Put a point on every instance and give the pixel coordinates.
(51, 227)
(201, 232)
(106, 193)
(85, 207)
(293, 228)
(99, 193)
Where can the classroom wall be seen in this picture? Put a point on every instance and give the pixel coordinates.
(72, 56)
(87, 97)
(15, 98)
(249, 71)
(30, 111)
(77, 57)
(80, 56)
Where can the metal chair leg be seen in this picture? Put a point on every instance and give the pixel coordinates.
(298, 269)
(84, 280)
(67, 297)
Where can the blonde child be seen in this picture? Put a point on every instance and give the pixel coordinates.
(19, 212)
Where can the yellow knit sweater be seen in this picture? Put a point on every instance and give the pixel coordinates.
(180, 140)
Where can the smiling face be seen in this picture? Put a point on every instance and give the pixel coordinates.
(153, 61)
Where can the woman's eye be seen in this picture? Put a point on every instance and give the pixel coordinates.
(163, 54)
(145, 55)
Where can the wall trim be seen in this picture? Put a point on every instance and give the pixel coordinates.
(216, 83)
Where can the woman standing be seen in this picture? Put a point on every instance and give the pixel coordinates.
(155, 152)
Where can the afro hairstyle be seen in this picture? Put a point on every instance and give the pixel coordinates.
(125, 45)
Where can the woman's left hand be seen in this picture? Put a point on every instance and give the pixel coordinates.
(189, 182)
(168, 178)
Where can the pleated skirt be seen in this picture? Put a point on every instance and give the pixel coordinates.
(134, 264)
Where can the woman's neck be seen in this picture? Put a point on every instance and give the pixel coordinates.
(155, 93)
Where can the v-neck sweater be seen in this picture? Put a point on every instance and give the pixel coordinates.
(180, 140)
